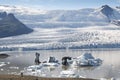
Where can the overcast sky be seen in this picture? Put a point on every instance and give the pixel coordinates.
(61, 4)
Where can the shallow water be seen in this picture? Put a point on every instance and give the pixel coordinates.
(110, 67)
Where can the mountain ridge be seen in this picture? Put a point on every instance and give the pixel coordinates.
(103, 15)
(11, 26)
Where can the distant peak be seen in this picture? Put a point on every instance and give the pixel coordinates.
(106, 10)
(105, 6)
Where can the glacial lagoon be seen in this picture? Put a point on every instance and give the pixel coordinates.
(18, 60)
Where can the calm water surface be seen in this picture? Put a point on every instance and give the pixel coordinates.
(110, 67)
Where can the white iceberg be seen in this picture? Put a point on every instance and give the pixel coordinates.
(86, 60)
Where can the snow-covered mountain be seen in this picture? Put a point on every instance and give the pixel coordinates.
(113, 15)
(66, 18)
(61, 29)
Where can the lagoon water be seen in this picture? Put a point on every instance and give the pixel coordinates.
(110, 67)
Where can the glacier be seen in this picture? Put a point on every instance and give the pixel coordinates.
(63, 38)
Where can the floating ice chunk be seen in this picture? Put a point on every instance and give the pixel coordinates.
(2, 64)
(51, 62)
(13, 73)
(103, 79)
(69, 73)
(8, 62)
(2, 69)
(14, 67)
(34, 67)
(34, 70)
(35, 73)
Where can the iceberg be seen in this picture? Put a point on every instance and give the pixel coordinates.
(86, 60)
(51, 62)
(38, 70)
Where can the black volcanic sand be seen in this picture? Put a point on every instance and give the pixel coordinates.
(18, 77)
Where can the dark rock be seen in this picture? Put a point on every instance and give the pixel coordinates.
(65, 60)
(37, 61)
(4, 55)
